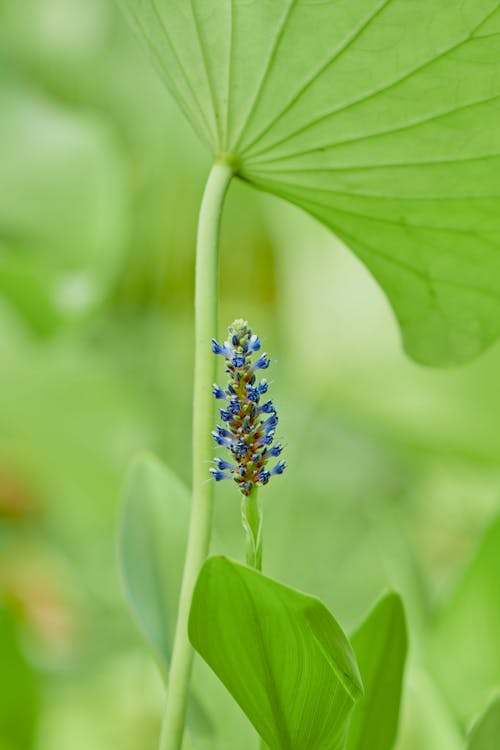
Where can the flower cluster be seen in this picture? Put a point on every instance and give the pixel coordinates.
(249, 426)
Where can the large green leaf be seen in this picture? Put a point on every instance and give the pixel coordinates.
(486, 733)
(280, 654)
(380, 645)
(379, 117)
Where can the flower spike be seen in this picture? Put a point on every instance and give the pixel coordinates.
(249, 427)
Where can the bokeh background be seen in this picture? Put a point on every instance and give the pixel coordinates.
(394, 470)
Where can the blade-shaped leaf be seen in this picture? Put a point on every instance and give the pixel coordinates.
(379, 117)
(465, 638)
(380, 645)
(427, 721)
(152, 540)
(486, 733)
(155, 516)
(280, 654)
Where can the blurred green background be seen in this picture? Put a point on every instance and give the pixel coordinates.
(394, 470)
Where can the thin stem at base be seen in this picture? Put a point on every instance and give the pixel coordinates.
(251, 516)
(206, 298)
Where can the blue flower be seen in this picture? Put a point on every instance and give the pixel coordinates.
(240, 449)
(247, 434)
(253, 394)
(223, 349)
(254, 344)
(224, 465)
(238, 360)
(221, 440)
(279, 468)
(266, 439)
(275, 450)
(267, 408)
(218, 392)
(270, 422)
(263, 476)
(262, 387)
(262, 363)
(234, 406)
(219, 475)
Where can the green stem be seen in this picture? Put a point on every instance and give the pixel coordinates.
(206, 298)
(251, 515)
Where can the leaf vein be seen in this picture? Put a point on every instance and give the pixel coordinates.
(364, 98)
(337, 54)
(206, 67)
(387, 165)
(272, 692)
(160, 67)
(229, 68)
(381, 133)
(267, 69)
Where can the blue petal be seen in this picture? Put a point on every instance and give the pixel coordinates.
(238, 360)
(224, 465)
(262, 363)
(219, 475)
(218, 392)
(275, 450)
(279, 468)
(254, 343)
(262, 387)
(268, 407)
(263, 476)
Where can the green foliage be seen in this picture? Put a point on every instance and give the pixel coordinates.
(155, 515)
(405, 468)
(427, 722)
(19, 692)
(380, 118)
(280, 654)
(485, 735)
(465, 633)
(152, 541)
(380, 645)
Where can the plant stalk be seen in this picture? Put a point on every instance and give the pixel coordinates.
(251, 515)
(206, 309)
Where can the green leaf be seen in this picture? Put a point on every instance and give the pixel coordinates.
(485, 734)
(464, 639)
(380, 645)
(379, 117)
(19, 690)
(279, 652)
(152, 540)
(428, 723)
